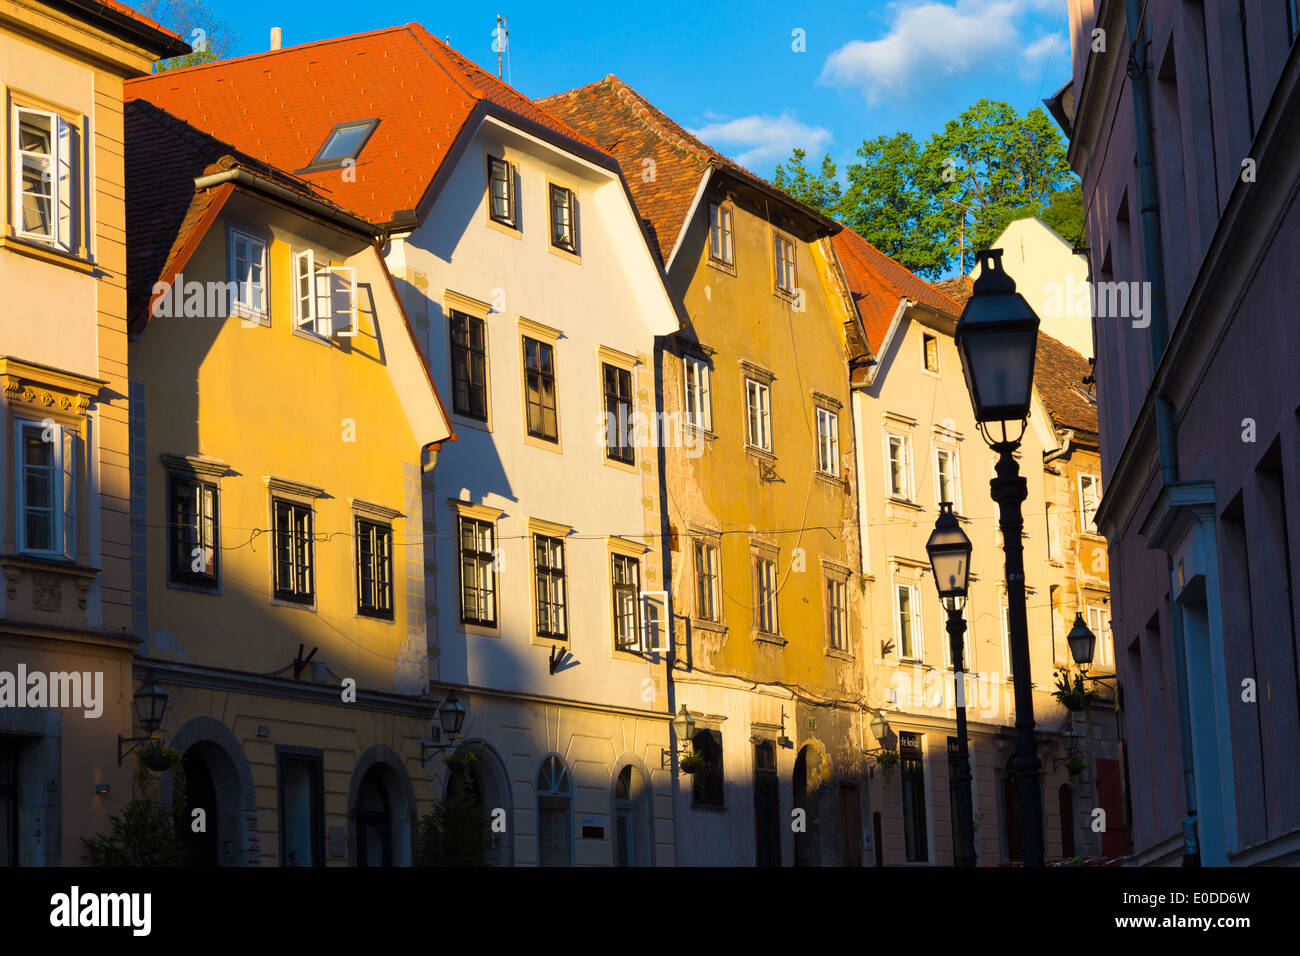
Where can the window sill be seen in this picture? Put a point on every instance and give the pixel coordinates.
(837, 482)
(514, 232)
(42, 562)
(839, 655)
(700, 624)
(545, 444)
(618, 465)
(765, 638)
(722, 266)
(780, 293)
(468, 422)
(478, 629)
(378, 617)
(299, 605)
(50, 254)
(760, 454)
(904, 503)
(555, 250)
(176, 585)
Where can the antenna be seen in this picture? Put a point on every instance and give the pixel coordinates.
(501, 41)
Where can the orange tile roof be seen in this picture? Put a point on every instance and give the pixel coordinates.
(626, 125)
(877, 283)
(1059, 372)
(280, 105)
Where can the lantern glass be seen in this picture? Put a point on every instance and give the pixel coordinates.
(997, 339)
(1082, 641)
(451, 715)
(879, 728)
(150, 705)
(949, 550)
(684, 725)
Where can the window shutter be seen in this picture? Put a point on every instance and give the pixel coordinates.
(343, 300)
(304, 291)
(70, 494)
(65, 185)
(322, 282)
(654, 617)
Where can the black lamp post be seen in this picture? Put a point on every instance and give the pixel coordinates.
(451, 718)
(949, 550)
(997, 338)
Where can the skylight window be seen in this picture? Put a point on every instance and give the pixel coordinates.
(344, 142)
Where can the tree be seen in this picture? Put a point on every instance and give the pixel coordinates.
(457, 831)
(198, 26)
(821, 192)
(145, 834)
(923, 204)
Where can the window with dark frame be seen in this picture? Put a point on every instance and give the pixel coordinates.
(626, 572)
(343, 144)
(912, 771)
(469, 366)
(720, 235)
(706, 580)
(478, 592)
(539, 389)
(618, 413)
(785, 265)
(294, 545)
(562, 236)
(765, 595)
(374, 569)
(706, 782)
(930, 352)
(194, 530)
(837, 615)
(501, 192)
(548, 564)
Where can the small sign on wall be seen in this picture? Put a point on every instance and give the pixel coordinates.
(593, 828)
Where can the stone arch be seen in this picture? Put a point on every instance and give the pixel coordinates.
(235, 816)
(640, 801)
(493, 784)
(392, 777)
(812, 770)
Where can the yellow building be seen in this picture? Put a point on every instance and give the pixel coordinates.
(65, 628)
(760, 496)
(282, 420)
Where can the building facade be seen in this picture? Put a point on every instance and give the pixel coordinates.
(536, 303)
(760, 497)
(65, 614)
(1188, 159)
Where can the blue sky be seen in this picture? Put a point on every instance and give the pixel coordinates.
(870, 67)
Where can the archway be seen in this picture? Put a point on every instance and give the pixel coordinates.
(491, 789)
(381, 811)
(807, 797)
(220, 782)
(633, 826)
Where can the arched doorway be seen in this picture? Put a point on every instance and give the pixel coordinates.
(807, 844)
(374, 823)
(200, 793)
(633, 833)
(487, 781)
(554, 813)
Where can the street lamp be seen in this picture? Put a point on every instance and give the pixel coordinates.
(997, 338)
(1082, 642)
(949, 550)
(150, 705)
(684, 727)
(451, 718)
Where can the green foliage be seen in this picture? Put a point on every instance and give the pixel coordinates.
(145, 833)
(921, 204)
(458, 830)
(887, 761)
(1074, 696)
(691, 762)
(197, 25)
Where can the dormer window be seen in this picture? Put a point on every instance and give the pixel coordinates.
(501, 192)
(325, 296)
(343, 144)
(562, 234)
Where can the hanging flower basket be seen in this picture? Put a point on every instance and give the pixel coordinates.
(691, 762)
(157, 757)
(1074, 697)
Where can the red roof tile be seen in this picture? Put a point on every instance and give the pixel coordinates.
(1059, 372)
(280, 105)
(877, 283)
(626, 125)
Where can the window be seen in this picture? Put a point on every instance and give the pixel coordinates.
(706, 782)
(46, 488)
(706, 580)
(478, 588)
(374, 569)
(248, 273)
(344, 142)
(194, 531)
(548, 568)
(765, 595)
(1099, 624)
(294, 558)
(837, 615)
(325, 297)
(44, 176)
(758, 400)
(912, 767)
(908, 621)
(946, 484)
(900, 466)
(699, 399)
(720, 234)
(618, 413)
(301, 809)
(469, 366)
(626, 573)
(539, 389)
(785, 274)
(501, 192)
(1089, 498)
(930, 352)
(554, 814)
(562, 233)
(828, 443)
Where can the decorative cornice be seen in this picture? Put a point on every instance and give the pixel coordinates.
(41, 386)
(465, 303)
(292, 489)
(368, 509)
(203, 466)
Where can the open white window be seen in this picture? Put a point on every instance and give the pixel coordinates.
(46, 488)
(325, 297)
(654, 622)
(248, 275)
(45, 187)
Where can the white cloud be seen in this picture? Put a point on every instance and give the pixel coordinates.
(763, 139)
(930, 41)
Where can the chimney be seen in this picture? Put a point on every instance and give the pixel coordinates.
(275, 38)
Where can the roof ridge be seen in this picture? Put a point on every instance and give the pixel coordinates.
(140, 80)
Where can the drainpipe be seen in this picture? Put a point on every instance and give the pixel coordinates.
(1153, 255)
